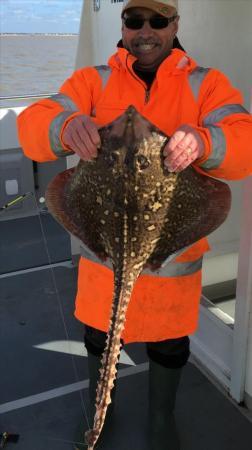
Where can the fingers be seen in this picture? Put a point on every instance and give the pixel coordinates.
(179, 138)
(184, 147)
(81, 136)
(181, 157)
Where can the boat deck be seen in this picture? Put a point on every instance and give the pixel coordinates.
(44, 376)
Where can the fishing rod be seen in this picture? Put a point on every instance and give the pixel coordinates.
(16, 200)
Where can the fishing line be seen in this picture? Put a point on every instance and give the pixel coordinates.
(5, 207)
(52, 271)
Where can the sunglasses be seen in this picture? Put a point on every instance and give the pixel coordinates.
(157, 22)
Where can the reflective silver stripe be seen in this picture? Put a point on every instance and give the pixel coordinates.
(196, 78)
(54, 134)
(218, 146)
(172, 269)
(218, 114)
(69, 107)
(104, 72)
(65, 101)
(176, 269)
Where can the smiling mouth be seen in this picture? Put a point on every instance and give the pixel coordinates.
(145, 47)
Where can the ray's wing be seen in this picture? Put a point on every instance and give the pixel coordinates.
(57, 195)
(199, 205)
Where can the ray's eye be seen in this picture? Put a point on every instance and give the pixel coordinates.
(142, 162)
(112, 159)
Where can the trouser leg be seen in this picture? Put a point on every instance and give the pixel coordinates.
(167, 359)
(95, 341)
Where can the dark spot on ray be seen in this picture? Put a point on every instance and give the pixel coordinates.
(142, 161)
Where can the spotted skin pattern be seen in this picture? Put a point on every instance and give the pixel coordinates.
(126, 206)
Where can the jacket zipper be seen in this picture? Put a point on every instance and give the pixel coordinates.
(147, 96)
(147, 91)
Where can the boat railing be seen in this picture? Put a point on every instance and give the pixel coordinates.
(12, 101)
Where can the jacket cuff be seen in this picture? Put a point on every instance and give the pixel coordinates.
(205, 136)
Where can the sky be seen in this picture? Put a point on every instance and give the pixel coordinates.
(40, 16)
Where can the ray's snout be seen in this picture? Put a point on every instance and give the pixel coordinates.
(130, 126)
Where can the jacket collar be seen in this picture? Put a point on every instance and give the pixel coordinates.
(176, 63)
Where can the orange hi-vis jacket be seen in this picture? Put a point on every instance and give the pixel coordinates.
(164, 304)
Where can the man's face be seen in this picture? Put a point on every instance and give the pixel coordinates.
(150, 46)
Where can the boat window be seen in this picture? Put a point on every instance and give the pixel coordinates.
(38, 45)
(221, 263)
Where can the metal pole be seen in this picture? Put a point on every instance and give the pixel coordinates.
(243, 299)
(97, 5)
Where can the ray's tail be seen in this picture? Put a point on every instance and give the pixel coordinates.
(110, 358)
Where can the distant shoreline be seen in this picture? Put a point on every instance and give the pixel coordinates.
(38, 34)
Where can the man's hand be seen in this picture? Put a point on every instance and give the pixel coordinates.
(184, 147)
(81, 136)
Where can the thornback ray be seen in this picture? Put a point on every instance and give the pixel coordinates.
(127, 208)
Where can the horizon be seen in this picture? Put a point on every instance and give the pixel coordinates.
(40, 16)
(33, 32)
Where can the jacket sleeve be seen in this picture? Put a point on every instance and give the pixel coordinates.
(41, 124)
(226, 128)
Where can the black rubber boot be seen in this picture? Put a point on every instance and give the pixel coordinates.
(163, 385)
(94, 364)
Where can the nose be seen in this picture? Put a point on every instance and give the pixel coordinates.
(146, 28)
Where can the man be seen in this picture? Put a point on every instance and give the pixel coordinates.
(209, 128)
